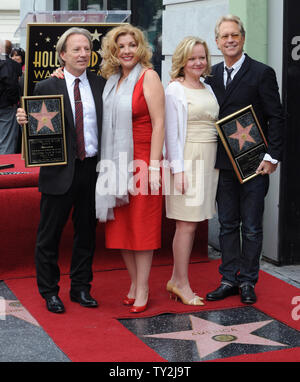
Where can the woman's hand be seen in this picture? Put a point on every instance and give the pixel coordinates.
(154, 179)
(181, 182)
(59, 73)
(21, 116)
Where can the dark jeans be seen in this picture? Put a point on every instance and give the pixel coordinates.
(240, 209)
(55, 211)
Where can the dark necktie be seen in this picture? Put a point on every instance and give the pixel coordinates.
(79, 121)
(229, 79)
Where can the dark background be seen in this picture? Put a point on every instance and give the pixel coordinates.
(289, 209)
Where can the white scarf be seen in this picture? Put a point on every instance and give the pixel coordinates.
(116, 165)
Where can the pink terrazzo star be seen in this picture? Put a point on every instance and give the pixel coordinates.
(242, 134)
(44, 118)
(16, 309)
(210, 337)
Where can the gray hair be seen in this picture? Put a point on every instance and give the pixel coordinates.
(61, 44)
(232, 18)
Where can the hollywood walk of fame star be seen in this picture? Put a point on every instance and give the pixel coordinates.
(242, 134)
(96, 35)
(44, 118)
(16, 309)
(211, 337)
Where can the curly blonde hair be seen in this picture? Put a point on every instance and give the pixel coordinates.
(182, 54)
(109, 49)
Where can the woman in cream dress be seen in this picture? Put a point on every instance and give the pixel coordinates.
(190, 142)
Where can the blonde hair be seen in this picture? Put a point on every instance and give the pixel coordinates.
(232, 18)
(62, 42)
(109, 49)
(182, 54)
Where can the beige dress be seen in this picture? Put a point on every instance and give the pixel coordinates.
(200, 148)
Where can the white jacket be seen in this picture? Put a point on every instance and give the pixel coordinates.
(176, 116)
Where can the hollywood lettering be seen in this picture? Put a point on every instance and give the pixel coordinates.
(43, 60)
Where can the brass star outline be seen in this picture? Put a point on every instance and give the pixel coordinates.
(211, 337)
(243, 134)
(44, 118)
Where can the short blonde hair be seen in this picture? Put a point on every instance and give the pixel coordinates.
(110, 63)
(232, 18)
(61, 44)
(182, 54)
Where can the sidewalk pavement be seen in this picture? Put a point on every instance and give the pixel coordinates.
(287, 273)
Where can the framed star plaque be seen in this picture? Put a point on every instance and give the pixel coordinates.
(244, 142)
(44, 134)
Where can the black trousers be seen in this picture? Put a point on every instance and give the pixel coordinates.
(240, 209)
(55, 211)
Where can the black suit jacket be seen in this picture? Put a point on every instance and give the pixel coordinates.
(255, 84)
(10, 71)
(56, 180)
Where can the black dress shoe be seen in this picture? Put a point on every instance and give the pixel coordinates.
(223, 291)
(248, 295)
(54, 304)
(84, 299)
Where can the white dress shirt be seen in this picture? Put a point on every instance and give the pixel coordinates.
(236, 67)
(89, 111)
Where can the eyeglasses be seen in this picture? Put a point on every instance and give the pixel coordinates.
(234, 36)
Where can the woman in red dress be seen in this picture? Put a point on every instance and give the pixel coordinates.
(133, 136)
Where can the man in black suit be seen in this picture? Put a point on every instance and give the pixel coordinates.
(238, 82)
(73, 185)
(10, 71)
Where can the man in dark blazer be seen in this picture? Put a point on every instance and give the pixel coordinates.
(10, 71)
(71, 186)
(238, 82)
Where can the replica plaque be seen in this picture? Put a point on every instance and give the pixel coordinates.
(41, 55)
(244, 142)
(44, 134)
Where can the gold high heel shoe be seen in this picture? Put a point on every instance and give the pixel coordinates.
(175, 292)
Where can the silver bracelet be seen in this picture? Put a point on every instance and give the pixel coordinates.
(153, 168)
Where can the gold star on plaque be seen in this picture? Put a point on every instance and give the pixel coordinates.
(242, 134)
(44, 118)
(96, 35)
(48, 39)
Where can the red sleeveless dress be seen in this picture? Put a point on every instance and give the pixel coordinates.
(137, 225)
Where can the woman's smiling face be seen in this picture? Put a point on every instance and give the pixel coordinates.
(127, 48)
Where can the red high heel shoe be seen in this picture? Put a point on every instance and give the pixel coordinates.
(138, 309)
(128, 301)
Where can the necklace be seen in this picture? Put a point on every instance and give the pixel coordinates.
(194, 85)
